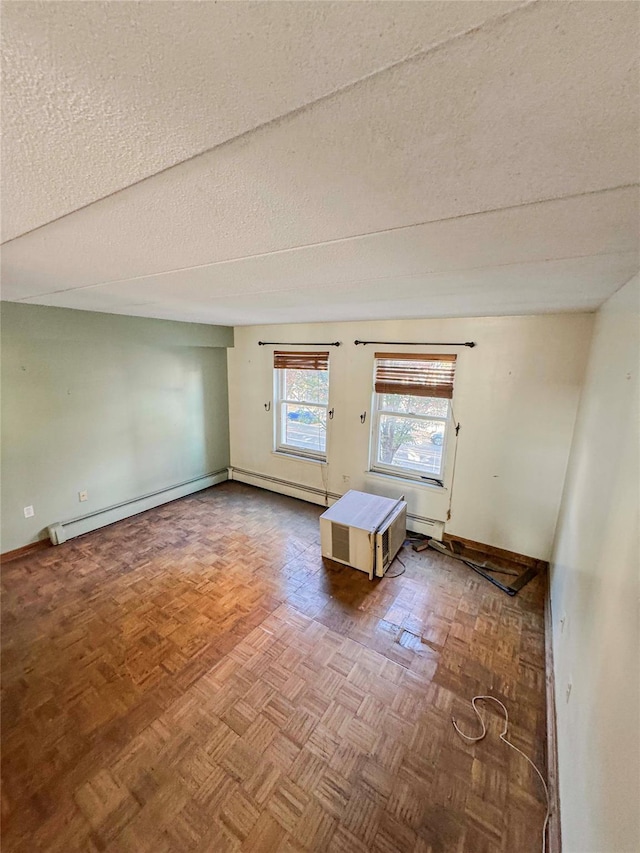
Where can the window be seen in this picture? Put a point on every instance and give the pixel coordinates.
(302, 400)
(412, 414)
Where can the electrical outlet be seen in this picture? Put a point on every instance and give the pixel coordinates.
(28, 512)
(83, 495)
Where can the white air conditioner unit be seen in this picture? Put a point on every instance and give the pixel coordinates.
(364, 531)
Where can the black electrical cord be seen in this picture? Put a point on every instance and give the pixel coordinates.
(397, 575)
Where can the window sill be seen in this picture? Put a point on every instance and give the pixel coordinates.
(409, 481)
(282, 454)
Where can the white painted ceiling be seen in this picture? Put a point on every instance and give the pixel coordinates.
(244, 163)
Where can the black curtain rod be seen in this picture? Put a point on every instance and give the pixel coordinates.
(293, 344)
(417, 343)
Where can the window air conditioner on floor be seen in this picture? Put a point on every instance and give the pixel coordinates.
(364, 531)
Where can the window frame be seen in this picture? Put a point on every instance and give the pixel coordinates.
(281, 402)
(400, 470)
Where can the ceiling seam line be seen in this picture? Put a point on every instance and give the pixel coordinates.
(346, 239)
(272, 122)
(355, 281)
(623, 285)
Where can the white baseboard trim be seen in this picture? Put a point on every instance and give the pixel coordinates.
(63, 530)
(311, 494)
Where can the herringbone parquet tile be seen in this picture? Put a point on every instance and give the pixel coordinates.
(196, 679)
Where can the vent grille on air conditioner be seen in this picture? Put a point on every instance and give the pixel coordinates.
(385, 548)
(397, 534)
(340, 542)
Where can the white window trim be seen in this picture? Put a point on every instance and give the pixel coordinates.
(294, 457)
(281, 447)
(408, 481)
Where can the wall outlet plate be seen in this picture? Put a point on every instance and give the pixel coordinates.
(83, 495)
(29, 512)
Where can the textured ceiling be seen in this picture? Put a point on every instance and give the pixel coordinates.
(101, 95)
(260, 162)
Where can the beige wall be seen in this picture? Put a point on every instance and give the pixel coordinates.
(119, 406)
(516, 397)
(595, 597)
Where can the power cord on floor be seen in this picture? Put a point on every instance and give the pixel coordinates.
(503, 738)
(397, 574)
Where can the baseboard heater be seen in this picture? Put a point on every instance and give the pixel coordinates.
(418, 523)
(240, 474)
(61, 531)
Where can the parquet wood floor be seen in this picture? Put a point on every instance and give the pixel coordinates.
(196, 679)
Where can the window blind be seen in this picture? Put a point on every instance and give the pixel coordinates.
(300, 360)
(420, 375)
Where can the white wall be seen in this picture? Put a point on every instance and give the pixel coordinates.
(516, 397)
(595, 590)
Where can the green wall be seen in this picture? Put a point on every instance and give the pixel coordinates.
(119, 406)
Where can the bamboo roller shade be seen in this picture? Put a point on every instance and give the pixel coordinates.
(420, 375)
(300, 360)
